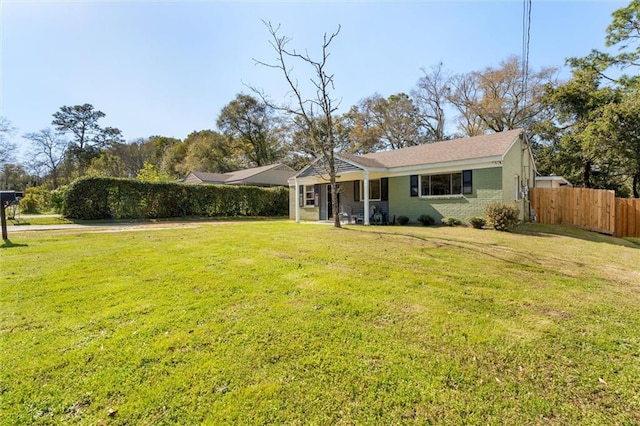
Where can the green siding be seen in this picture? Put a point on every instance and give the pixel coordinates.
(292, 203)
(487, 187)
(309, 213)
(306, 213)
(517, 162)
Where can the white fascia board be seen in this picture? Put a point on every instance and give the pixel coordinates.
(451, 166)
(311, 180)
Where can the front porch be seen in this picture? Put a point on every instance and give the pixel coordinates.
(362, 193)
(359, 201)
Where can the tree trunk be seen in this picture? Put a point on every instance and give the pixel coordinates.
(587, 174)
(636, 184)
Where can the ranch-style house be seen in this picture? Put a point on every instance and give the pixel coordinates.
(453, 178)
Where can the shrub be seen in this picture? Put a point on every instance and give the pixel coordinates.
(502, 217)
(426, 220)
(403, 220)
(102, 198)
(57, 198)
(36, 200)
(451, 221)
(477, 222)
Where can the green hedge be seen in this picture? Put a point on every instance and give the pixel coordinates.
(113, 198)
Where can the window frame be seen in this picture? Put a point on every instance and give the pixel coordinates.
(451, 179)
(308, 191)
(370, 187)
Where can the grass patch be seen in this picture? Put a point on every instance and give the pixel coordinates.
(40, 220)
(273, 322)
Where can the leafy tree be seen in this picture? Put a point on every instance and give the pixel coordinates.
(48, 149)
(209, 151)
(88, 138)
(14, 177)
(577, 154)
(252, 126)
(158, 145)
(624, 34)
(378, 123)
(314, 114)
(618, 129)
(150, 173)
(593, 134)
(109, 164)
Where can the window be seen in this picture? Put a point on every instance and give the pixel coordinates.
(309, 196)
(442, 184)
(375, 190)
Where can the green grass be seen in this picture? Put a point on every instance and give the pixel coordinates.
(59, 220)
(275, 322)
(35, 220)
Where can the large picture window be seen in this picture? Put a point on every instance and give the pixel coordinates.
(441, 185)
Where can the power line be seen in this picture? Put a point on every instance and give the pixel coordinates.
(526, 39)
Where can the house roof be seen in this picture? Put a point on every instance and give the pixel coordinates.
(483, 146)
(210, 177)
(561, 180)
(239, 175)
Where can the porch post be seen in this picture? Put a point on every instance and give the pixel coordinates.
(366, 197)
(297, 200)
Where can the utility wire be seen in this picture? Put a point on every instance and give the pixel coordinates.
(526, 39)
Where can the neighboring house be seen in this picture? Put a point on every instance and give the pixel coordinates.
(454, 178)
(552, 182)
(273, 175)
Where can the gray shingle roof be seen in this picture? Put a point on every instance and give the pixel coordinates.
(490, 145)
(239, 175)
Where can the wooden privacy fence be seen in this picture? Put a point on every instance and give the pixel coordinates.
(627, 217)
(593, 209)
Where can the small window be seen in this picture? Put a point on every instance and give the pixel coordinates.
(309, 196)
(375, 190)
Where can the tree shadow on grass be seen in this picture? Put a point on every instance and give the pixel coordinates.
(8, 244)
(546, 231)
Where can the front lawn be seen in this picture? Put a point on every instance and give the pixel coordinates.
(276, 322)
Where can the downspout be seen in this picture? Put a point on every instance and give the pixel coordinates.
(297, 199)
(366, 197)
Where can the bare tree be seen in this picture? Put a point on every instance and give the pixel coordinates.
(430, 97)
(48, 149)
(314, 113)
(498, 99)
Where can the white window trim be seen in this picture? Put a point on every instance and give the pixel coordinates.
(313, 197)
(435, 197)
(362, 190)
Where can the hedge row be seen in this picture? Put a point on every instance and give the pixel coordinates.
(112, 198)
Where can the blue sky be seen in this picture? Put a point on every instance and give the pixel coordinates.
(168, 68)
